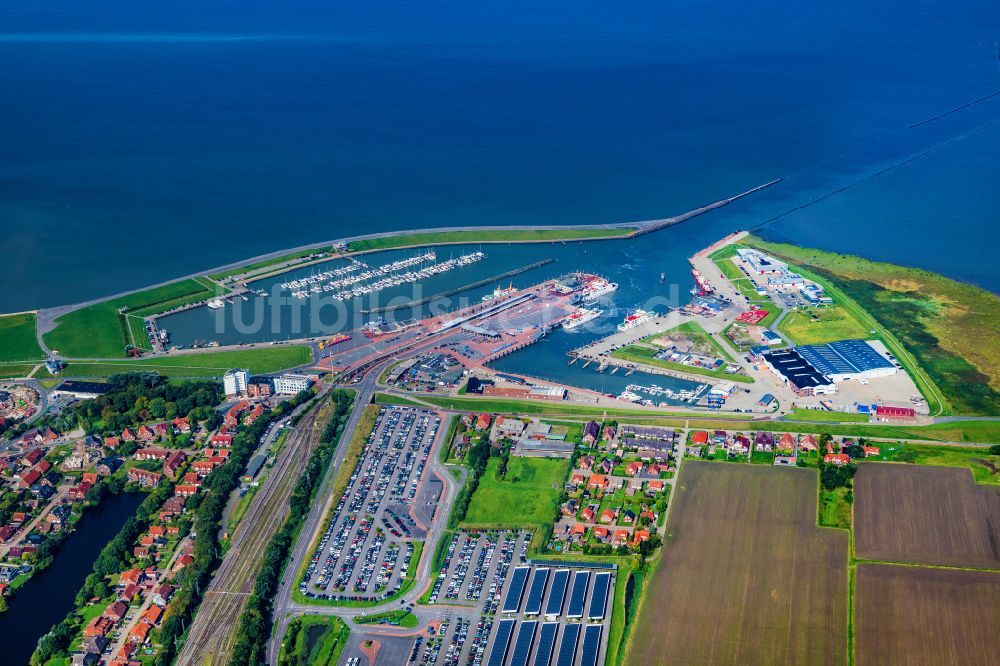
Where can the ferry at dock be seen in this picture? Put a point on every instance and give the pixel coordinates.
(581, 317)
(216, 303)
(637, 318)
(598, 288)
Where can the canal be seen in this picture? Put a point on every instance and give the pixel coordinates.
(48, 596)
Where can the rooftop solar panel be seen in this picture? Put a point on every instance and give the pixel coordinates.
(522, 646)
(567, 648)
(560, 581)
(515, 592)
(546, 644)
(536, 592)
(599, 598)
(578, 595)
(501, 643)
(591, 645)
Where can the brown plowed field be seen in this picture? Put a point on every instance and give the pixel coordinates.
(911, 615)
(746, 575)
(925, 515)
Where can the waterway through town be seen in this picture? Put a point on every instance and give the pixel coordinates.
(47, 597)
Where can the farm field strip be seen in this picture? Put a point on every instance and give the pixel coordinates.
(917, 615)
(925, 515)
(746, 575)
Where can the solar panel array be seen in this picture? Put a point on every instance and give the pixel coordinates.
(567, 648)
(546, 644)
(591, 645)
(536, 592)
(599, 597)
(502, 642)
(522, 646)
(560, 581)
(516, 590)
(578, 595)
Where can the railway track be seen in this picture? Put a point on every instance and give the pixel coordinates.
(213, 630)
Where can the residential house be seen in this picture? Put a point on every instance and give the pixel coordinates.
(763, 441)
(173, 463)
(633, 468)
(699, 437)
(181, 425)
(838, 459)
(112, 442)
(786, 442)
(608, 516)
(143, 477)
(808, 443)
(108, 466)
(152, 454)
(740, 445)
(655, 486)
(598, 482)
(587, 515)
(602, 533)
(591, 432)
(483, 421)
(128, 435)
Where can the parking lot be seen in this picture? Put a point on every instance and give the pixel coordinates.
(366, 550)
(506, 611)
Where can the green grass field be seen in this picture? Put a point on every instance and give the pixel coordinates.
(209, 364)
(646, 355)
(99, 330)
(799, 414)
(17, 338)
(831, 324)
(486, 236)
(15, 370)
(527, 497)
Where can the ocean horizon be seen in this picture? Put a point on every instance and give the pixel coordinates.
(145, 144)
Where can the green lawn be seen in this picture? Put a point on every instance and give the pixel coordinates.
(831, 324)
(646, 355)
(99, 331)
(402, 618)
(17, 338)
(527, 497)
(486, 236)
(835, 508)
(799, 414)
(15, 370)
(209, 364)
(985, 468)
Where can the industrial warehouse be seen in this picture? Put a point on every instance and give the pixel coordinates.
(816, 369)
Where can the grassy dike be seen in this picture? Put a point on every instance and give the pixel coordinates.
(101, 330)
(488, 236)
(210, 364)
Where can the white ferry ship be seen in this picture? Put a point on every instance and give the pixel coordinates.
(581, 317)
(598, 288)
(216, 303)
(637, 318)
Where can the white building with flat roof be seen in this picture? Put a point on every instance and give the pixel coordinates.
(235, 382)
(291, 383)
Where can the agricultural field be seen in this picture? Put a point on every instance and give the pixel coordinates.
(209, 364)
(821, 325)
(926, 515)
(527, 497)
(100, 330)
(17, 338)
(912, 615)
(948, 328)
(746, 576)
(486, 236)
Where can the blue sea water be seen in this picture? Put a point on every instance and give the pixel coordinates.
(143, 141)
